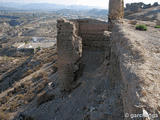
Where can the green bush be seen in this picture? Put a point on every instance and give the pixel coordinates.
(158, 26)
(141, 27)
(38, 48)
(26, 42)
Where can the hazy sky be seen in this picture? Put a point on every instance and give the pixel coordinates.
(99, 3)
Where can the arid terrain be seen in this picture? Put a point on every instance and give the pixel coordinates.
(28, 58)
(128, 71)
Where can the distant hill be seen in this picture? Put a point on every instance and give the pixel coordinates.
(98, 12)
(93, 11)
(7, 8)
(42, 6)
(80, 14)
(46, 6)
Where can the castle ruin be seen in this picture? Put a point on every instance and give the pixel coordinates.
(84, 44)
(76, 36)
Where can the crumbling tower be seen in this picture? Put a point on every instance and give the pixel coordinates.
(69, 47)
(116, 11)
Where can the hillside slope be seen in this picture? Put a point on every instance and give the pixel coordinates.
(149, 14)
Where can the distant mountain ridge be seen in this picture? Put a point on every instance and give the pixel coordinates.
(42, 6)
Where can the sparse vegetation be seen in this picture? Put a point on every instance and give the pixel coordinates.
(6, 58)
(25, 92)
(45, 97)
(38, 48)
(141, 27)
(4, 116)
(26, 42)
(157, 26)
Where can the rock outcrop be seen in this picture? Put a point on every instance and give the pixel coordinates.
(135, 7)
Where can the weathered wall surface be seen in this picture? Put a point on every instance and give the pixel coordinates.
(116, 9)
(116, 12)
(132, 68)
(73, 35)
(69, 47)
(92, 33)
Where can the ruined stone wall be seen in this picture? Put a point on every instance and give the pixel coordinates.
(92, 33)
(72, 36)
(69, 47)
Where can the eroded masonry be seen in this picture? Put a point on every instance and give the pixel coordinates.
(74, 37)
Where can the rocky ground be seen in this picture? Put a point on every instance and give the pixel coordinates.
(20, 71)
(136, 65)
(91, 100)
(26, 81)
(148, 46)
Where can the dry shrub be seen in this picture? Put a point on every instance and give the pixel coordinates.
(43, 78)
(30, 71)
(87, 117)
(15, 90)
(45, 97)
(37, 76)
(36, 68)
(29, 96)
(4, 99)
(25, 93)
(143, 93)
(13, 106)
(29, 118)
(158, 108)
(4, 116)
(40, 87)
(41, 75)
(24, 117)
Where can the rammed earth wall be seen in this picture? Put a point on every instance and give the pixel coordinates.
(69, 47)
(73, 37)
